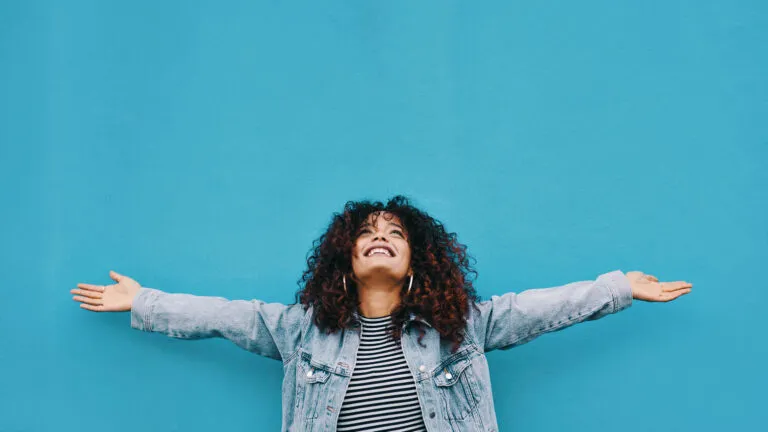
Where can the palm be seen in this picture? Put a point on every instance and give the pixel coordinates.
(107, 298)
(648, 288)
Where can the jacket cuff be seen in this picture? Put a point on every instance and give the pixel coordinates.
(620, 288)
(141, 309)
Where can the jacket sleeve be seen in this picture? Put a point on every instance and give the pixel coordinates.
(268, 329)
(513, 319)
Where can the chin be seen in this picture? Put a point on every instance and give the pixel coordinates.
(382, 272)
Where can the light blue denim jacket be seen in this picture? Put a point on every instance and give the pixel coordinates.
(454, 388)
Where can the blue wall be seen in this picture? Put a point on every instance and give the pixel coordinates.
(201, 146)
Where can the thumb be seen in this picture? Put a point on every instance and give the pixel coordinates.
(116, 276)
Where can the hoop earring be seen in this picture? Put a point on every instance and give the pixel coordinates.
(410, 284)
(344, 279)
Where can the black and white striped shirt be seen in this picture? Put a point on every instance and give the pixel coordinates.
(382, 394)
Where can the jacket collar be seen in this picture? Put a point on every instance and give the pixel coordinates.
(413, 317)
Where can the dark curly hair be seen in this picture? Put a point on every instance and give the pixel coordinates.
(442, 290)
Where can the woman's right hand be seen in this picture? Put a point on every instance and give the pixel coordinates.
(107, 298)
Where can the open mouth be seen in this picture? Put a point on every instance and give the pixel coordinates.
(380, 250)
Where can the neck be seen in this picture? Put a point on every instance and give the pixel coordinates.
(378, 299)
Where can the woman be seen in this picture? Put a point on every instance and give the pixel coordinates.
(387, 333)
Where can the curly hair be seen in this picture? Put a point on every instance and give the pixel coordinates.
(442, 290)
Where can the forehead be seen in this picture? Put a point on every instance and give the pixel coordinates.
(382, 218)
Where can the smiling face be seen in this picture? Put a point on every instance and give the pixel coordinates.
(381, 250)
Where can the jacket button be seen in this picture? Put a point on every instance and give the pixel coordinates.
(309, 374)
(432, 414)
(448, 375)
(422, 368)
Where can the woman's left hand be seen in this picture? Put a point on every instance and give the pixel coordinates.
(648, 288)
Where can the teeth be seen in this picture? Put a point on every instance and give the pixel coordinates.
(379, 251)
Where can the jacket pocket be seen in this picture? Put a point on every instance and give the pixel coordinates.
(456, 384)
(311, 386)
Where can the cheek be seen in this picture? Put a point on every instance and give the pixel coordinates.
(407, 256)
(356, 258)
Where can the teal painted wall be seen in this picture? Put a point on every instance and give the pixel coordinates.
(200, 147)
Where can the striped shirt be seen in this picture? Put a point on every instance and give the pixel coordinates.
(382, 394)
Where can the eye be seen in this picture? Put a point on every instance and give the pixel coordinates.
(364, 230)
(398, 232)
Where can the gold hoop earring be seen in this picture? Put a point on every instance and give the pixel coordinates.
(410, 284)
(344, 279)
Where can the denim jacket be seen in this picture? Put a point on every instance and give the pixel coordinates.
(454, 388)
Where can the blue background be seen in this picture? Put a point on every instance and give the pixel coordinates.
(200, 147)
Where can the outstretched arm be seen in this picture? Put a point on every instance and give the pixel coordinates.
(268, 329)
(513, 319)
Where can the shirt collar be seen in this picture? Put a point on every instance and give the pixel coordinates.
(411, 317)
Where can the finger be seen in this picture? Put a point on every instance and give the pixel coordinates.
(674, 286)
(99, 288)
(673, 295)
(86, 293)
(92, 308)
(88, 300)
